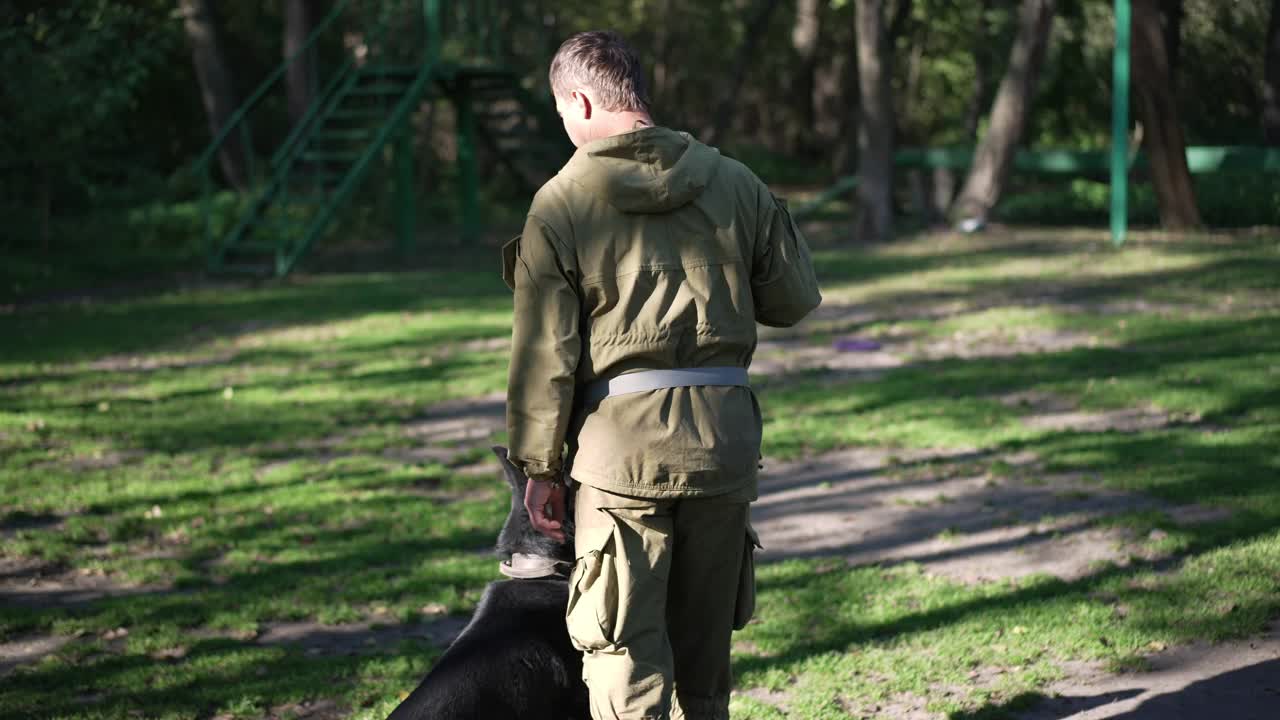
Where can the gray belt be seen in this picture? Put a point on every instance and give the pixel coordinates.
(658, 379)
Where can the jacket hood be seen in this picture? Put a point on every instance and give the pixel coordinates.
(651, 170)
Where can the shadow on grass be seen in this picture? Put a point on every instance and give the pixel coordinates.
(1247, 693)
(213, 674)
(398, 548)
(178, 321)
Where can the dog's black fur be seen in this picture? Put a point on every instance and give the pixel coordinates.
(514, 659)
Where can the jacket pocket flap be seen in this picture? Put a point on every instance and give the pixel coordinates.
(510, 251)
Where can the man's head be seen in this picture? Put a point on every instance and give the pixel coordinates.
(599, 86)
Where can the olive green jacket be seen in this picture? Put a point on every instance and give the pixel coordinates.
(649, 250)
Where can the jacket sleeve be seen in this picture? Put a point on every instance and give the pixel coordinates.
(545, 346)
(783, 286)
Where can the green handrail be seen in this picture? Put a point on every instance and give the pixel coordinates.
(394, 44)
(397, 118)
(312, 111)
(206, 159)
(1201, 160)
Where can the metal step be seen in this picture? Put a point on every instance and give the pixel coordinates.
(382, 89)
(343, 135)
(326, 156)
(311, 200)
(361, 114)
(256, 246)
(249, 269)
(393, 70)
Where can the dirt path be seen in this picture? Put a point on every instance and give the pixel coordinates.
(872, 506)
(1233, 681)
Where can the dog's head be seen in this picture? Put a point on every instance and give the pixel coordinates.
(518, 539)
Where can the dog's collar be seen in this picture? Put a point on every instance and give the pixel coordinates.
(524, 566)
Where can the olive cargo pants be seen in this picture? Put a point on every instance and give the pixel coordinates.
(658, 587)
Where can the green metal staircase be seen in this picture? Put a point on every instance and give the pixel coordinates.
(362, 113)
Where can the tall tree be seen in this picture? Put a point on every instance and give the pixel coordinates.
(993, 159)
(755, 31)
(983, 60)
(804, 40)
(1271, 81)
(1157, 109)
(216, 88)
(1174, 12)
(300, 18)
(875, 131)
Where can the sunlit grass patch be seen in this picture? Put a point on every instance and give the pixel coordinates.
(189, 470)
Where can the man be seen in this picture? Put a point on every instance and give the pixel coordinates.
(639, 277)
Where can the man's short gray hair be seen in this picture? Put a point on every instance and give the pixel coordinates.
(602, 62)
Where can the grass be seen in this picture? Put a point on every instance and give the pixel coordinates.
(228, 459)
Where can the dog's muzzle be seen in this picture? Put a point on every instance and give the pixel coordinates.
(526, 567)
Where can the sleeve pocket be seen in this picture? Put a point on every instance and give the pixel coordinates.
(745, 606)
(510, 251)
(593, 591)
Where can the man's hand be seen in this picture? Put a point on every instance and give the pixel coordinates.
(544, 501)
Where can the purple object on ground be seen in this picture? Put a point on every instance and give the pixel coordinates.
(856, 345)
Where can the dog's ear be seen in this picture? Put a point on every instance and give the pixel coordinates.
(514, 475)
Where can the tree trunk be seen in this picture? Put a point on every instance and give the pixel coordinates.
(844, 151)
(216, 89)
(875, 132)
(1158, 111)
(982, 62)
(663, 22)
(1271, 81)
(300, 18)
(898, 25)
(804, 40)
(751, 40)
(993, 159)
(1173, 12)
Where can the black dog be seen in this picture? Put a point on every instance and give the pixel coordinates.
(514, 659)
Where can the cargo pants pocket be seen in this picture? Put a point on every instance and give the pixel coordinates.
(592, 611)
(745, 604)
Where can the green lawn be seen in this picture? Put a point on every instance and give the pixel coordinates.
(223, 460)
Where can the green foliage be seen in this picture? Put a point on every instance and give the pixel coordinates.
(85, 65)
(107, 98)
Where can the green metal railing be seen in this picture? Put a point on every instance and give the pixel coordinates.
(1200, 159)
(422, 39)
